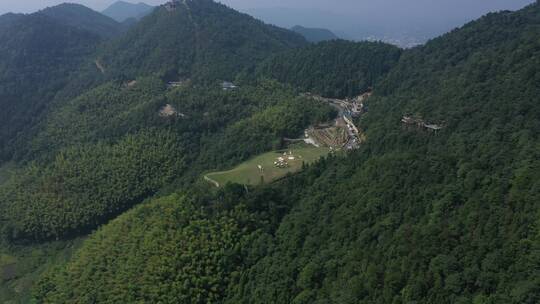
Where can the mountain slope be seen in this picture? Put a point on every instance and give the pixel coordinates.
(419, 217)
(412, 217)
(8, 18)
(334, 68)
(207, 267)
(121, 10)
(139, 151)
(314, 34)
(37, 55)
(198, 39)
(83, 18)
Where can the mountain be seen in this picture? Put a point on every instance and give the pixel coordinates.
(104, 192)
(9, 18)
(333, 68)
(81, 17)
(196, 39)
(314, 34)
(121, 10)
(416, 216)
(37, 56)
(119, 116)
(413, 216)
(104, 107)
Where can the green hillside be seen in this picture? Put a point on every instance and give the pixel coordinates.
(417, 217)
(334, 69)
(202, 40)
(110, 148)
(37, 56)
(104, 146)
(83, 18)
(413, 216)
(6, 19)
(199, 251)
(82, 140)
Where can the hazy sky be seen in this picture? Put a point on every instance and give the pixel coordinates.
(355, 19)
(467, 7)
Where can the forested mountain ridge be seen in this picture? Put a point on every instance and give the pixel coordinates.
(117, 115)
(37, 56)
(8, 18)
(203, 40)
(162, 44)
(81, 17)
(336, 68)
(419, 217)
(413, 216)
(443, 216)
(76, 135)
(314, 34)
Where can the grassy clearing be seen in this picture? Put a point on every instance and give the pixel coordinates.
(248, 173)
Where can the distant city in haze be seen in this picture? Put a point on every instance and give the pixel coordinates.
(395, 21)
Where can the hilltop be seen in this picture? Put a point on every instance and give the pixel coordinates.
(83, 18)
(202, 39)
(122, 11)
(314, 34)
(8, 18)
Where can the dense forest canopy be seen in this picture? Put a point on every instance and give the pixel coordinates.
(201, 39)
(415, 215)
(91, 170)
(42, 51)
(81, 17)
(37, 56)
(336, 68)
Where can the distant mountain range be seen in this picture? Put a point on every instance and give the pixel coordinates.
(122, 11)
(314, 34)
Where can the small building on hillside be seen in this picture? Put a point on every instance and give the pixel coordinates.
(169, 111)
(227, 85)
(174, 84)
(433, 127)
(172, 5)
(412, 121)
(419, 123)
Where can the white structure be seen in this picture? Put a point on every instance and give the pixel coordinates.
(226, 85)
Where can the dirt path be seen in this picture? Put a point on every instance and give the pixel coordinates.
(196, 27)
(208, 179)
(100, 66)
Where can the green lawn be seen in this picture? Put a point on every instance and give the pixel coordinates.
(248, 173)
